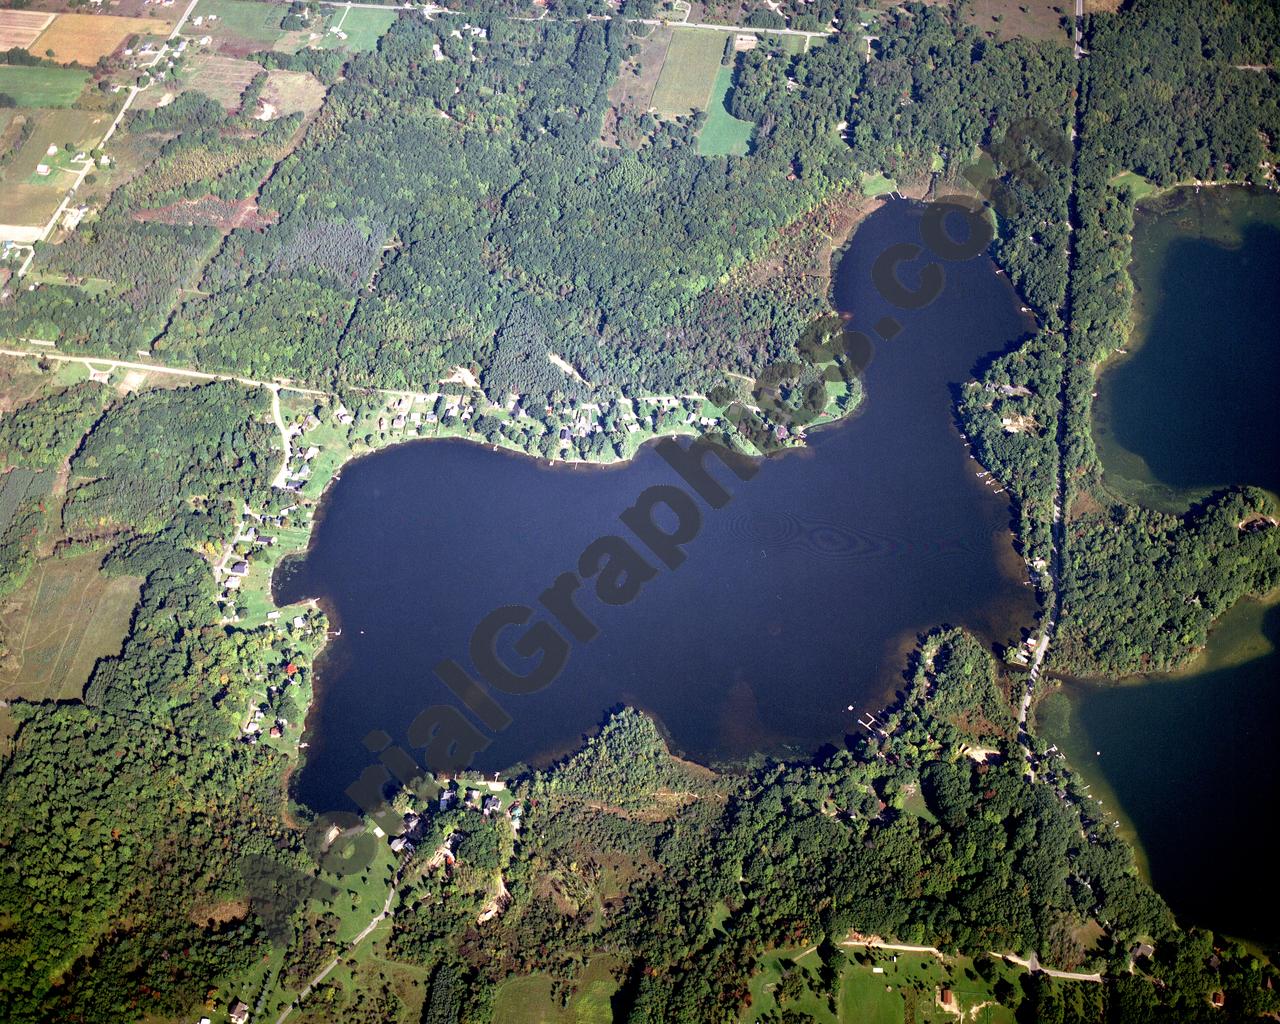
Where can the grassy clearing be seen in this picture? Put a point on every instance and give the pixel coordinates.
(529, 1000)
(222, 79)
(1136, 183)
(358, 29)
(1031, 19)
(41, 86)
(724, 134)
(878, 185)
(238, 23)
(638, 75)
(60, 622)
(293, 92)
(689, 72)
(864, 997)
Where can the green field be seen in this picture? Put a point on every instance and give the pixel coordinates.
(362, 27)
(529, 1000)
(41, 86)
(878, 185)
(239, 20)
(864, 998)
(1137, 184)
(62, 620)
(724, 134)
(689, 72)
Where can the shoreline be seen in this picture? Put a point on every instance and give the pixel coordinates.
(300, 750)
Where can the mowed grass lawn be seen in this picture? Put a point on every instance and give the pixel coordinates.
(724, 134)
(361, 26)
(863, 999)
(689, 72)
(41, 86)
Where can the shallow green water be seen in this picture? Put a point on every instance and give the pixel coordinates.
(1189, 762)
(1190, 408)
(1188, 759)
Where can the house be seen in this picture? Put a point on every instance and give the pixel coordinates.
(42, 170)
(947, 998)
(240, 568)
(275, 732)
(1219, 999)
(491, 804)
(401, 845)
(447, 798)
(310, 453)
(239, 1012)
(398, 423)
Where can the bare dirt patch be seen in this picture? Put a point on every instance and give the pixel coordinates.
(210, 211)
(219, 913)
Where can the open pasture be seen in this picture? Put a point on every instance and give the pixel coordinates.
(83, 38)
(41, 86)
(22, 28)
(689, 72)
(64, 618)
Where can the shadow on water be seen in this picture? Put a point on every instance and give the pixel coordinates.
(797, 598)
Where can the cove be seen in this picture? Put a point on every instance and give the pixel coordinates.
(1189, 759)
(1191, 407)
(803, 595)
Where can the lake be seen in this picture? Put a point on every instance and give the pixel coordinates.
(1188, 759)
(1191, 407)
(803, 595)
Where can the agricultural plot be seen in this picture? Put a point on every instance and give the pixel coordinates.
(238, 27)
(22, 28)
(41, 86)
(59, 623)
(724, 134)
(689, 72)
(83, 38)
(223, 79)
(357, 29)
